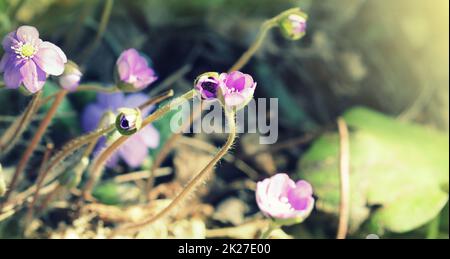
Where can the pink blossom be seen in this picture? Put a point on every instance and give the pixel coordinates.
(281, 198)
(237, 89)
(134, 70)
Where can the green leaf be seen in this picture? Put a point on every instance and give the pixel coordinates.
(401, 167)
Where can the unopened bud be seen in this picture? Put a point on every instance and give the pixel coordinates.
(293, 26)
(129, 121)
(71, 77)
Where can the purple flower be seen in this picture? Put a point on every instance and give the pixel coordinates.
(29, 60)
(134, 70)
(71, 77)
(281, 198)
(135, 150)
(207, 84)
(237, 89)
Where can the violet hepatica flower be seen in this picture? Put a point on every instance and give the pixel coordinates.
(207, 84)
(136, 149)
(29, 60)
(237, 89)
(134, 71)
(286, 201)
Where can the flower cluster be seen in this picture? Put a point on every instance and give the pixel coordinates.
(29, 61)
(235, 89)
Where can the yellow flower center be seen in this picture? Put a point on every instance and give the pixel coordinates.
(27, 50)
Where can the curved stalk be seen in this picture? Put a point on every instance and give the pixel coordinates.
(89, 138)
(167, 148)
(197, 180)
(100, 162)
(34, 142)
(97, 88)
(265, 28)
(15, 131)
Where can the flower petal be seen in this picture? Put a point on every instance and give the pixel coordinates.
(5, 60)
(149, 136)
(49, 60)
(234, 99)
(133, 152)
(49, 45)
(91, 117)
(27, 33)
(280, 185)
(111, 101)
(9, 40)
(33, 77)
(12, 76)
(249, 82)
(124, 70)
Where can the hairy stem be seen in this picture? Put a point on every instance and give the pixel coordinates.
(40, 178)
(165, 150)
(35, 141)
(15, 131)
(196, 181)
(97, 88)
(265, 28)
(91, 137)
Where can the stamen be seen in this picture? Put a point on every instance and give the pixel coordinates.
(25, 51)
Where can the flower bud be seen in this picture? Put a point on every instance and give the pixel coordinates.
(133, 71)
(2, 183)
(207, 84)
(293, 26)
(129, 121)
(71, 77)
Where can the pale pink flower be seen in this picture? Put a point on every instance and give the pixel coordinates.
(280, 197)
(29, 60)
